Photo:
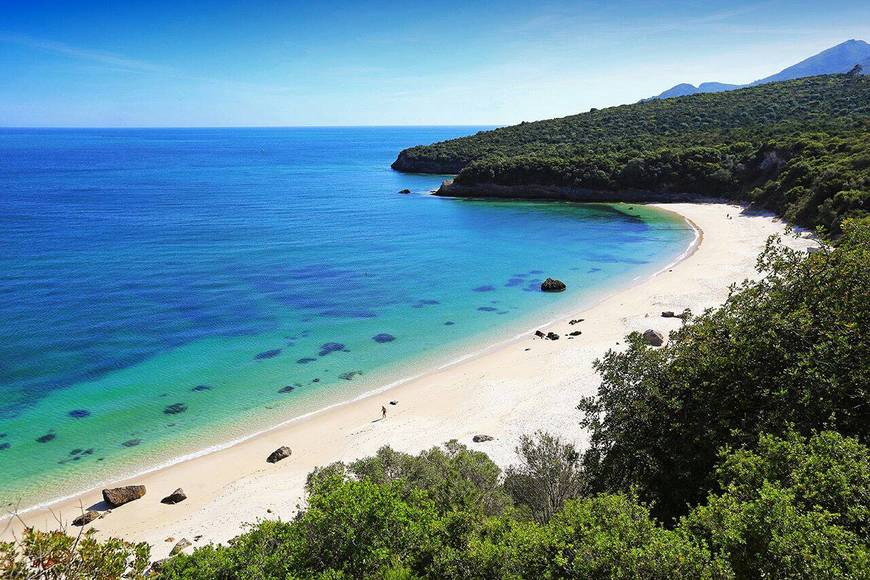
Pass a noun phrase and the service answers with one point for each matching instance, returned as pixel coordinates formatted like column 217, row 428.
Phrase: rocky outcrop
column 175, row 497
column 668, row 314
column 653, row 337
column 281, row 453
column 405, row 191
column 118, row 496
column 552, row 285
column 482, row 438
column 86, row 518
column 552, row 336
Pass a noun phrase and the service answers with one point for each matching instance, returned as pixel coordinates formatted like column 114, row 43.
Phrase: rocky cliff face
column 556, row 193
column 408, row 162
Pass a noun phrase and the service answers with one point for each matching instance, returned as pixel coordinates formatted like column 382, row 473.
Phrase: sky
column 328, row 62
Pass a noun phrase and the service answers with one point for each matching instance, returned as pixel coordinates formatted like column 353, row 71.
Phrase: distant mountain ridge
column 837, row 59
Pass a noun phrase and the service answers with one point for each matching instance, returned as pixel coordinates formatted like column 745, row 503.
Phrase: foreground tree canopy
column 796, row 147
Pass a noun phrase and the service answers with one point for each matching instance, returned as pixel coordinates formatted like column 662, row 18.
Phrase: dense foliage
column 789, row 350
column 797, row 147
column 791, row 508
column 56, row 554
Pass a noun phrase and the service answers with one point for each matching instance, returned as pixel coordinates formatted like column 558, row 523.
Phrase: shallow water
column 166, row 290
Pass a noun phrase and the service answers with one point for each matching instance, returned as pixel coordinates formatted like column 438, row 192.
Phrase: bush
column 789, row 350
column 56, row 554
column 549, row 475
column 793, row 508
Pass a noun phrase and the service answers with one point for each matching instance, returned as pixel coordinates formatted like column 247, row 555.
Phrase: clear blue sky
column 251, row 63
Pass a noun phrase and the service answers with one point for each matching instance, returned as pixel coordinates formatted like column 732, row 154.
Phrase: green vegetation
column 791, row 350
column 56, row 554
column 792, row 508
column 796, row 147
column 737, row 450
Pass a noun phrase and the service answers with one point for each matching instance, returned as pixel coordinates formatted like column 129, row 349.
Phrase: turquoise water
column 162, row 291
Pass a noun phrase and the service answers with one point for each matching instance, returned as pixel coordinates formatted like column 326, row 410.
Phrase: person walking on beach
column 383, row 412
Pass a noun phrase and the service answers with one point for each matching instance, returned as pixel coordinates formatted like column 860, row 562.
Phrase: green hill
column 797, row 147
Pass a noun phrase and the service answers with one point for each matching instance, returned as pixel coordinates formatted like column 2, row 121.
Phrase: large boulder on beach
column 551, row 285
column 118, row 496
column 653, row 337
column 175, row 497
column 482, row 438
column 86, row 518
column 281, row 453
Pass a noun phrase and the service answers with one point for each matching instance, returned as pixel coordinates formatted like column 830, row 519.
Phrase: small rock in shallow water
column 79, row 413
column 485, row 288
column 282, row 452
column 75, row 451
column 551, row 285
column 481, row 438
column 487, row 308
column 405, row 191
column 305, row 360
column 201, row 388
column 46, row 438
column 383, row 337
column 175, row 408
column 348, row 376
column 175, row 497
column 449, row 323
column 287, row 389
column 4, row 446
column 131, row 442
column 268, row 354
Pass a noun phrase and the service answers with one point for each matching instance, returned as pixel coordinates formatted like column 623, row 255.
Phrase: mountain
column 835, row 60
column 684, row 89
column 796, row 147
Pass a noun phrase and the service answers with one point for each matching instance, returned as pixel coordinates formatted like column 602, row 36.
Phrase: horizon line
column 164, row 127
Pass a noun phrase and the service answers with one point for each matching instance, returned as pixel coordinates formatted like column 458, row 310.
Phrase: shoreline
column 241, row 484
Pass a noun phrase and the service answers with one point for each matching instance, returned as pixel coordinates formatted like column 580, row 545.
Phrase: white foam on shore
column 690, row 249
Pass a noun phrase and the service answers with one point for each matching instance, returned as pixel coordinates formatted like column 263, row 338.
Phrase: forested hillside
column 797, row 147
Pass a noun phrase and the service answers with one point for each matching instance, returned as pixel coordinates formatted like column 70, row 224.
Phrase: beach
column 517, row 387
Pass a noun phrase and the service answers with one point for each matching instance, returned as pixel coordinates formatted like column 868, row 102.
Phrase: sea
column 166, row 292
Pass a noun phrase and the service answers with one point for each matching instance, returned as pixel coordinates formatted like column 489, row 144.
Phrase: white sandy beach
column 517, row 388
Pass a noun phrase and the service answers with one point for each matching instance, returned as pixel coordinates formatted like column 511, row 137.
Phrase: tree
column 793, row 508
column 57, row 554
column 550, row 473
column 789, row 350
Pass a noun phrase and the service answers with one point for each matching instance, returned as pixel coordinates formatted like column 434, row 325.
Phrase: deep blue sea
column 162, row 291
